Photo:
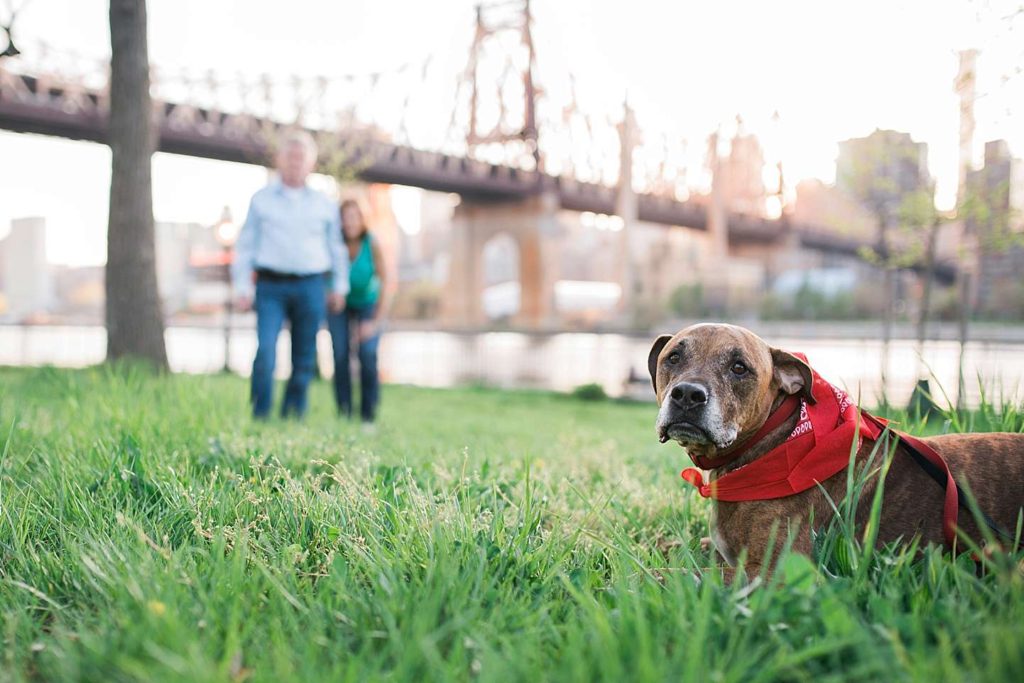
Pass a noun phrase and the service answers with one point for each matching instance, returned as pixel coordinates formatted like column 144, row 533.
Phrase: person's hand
column 243, row 303
column 367, row 328
column 335, row 302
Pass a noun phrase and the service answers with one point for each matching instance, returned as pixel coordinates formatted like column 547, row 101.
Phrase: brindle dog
column 717, row 384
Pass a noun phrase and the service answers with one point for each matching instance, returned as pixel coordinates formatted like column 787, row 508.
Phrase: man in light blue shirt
column 289, row 264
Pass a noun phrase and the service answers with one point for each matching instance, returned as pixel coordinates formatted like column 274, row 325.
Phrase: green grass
column 150, row 531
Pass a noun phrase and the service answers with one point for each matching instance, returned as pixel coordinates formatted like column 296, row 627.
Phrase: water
column 559, row 361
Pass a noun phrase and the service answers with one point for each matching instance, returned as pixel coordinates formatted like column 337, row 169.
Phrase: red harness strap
column 826, row 435
column 951, row 506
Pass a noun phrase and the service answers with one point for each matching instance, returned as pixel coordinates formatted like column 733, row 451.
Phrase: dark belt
column 268, row 275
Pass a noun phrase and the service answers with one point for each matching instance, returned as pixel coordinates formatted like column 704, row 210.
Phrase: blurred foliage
column 590, row 392
column 989, row 214
column 687, row 301
column 335, row 158
column 810, row 304
column 884, row 172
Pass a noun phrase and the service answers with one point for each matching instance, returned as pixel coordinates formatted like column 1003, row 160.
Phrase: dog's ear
column 793, row 374
column 652, row 358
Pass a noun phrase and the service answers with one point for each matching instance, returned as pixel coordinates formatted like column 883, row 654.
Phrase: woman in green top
column 365, row 307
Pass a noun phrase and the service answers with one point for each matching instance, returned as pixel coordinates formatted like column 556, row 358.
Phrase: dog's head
column 716, row 383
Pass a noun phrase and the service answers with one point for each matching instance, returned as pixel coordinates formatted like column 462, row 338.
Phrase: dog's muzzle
column 690, row 415
column 682, row 413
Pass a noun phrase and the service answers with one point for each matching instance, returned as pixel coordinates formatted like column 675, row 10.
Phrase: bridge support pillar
column 716, row 277
column 462, row 301
column 626, row 209
column 533, row 224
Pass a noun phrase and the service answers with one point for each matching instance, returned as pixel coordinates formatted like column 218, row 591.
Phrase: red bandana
column 819, row 447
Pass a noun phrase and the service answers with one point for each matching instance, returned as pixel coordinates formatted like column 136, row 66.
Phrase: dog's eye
column 739, row 369
column 674, row 358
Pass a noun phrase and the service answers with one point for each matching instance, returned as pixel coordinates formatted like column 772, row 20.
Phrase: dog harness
column 828, row 433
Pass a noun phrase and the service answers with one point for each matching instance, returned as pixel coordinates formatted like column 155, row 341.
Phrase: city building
column 190, row 268
column 743, row 174
column 79, row 293
column 27, row 282
column 994, row 213
column 173, row 272
column 881, row 170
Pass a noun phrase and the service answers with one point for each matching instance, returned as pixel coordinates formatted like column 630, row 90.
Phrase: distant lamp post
column 226, row 232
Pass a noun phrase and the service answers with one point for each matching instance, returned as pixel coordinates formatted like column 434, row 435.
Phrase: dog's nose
column 687, row 395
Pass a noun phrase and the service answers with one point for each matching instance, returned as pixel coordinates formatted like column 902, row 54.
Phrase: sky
column 833, row 70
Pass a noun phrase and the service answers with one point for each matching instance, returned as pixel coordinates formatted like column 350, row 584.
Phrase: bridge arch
column 530, row 228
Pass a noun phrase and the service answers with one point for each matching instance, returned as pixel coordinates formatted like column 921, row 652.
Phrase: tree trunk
column 921, row 401
column 888, row 281
column 887, row 315
column 964, row 287
column 926, row 293
column 134, row 319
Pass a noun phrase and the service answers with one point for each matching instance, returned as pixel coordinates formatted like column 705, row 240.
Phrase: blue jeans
column 340, row 326
column 303, row 303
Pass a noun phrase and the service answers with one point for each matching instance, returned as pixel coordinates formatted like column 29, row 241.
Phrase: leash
column 935, row 465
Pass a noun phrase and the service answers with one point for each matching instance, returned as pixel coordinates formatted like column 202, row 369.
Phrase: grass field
column 150, row 531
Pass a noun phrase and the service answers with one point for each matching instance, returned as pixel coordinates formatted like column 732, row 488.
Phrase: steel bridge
column 506, row 160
